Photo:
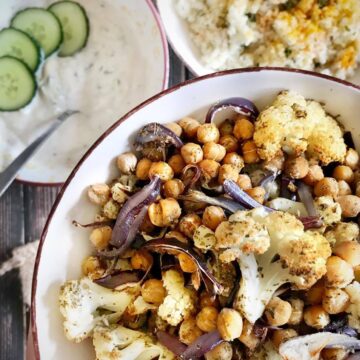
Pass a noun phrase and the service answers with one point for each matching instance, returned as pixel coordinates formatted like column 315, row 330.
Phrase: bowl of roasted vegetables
column 218, row 220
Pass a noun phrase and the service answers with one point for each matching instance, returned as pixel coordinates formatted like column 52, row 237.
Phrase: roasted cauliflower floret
column 179, row 302
column 118, row 342
column 80, row 301
column 342, row 231
column 294, row 256
column 328, row 210
column 353, row 309
column 242, row 232
column 295, row 125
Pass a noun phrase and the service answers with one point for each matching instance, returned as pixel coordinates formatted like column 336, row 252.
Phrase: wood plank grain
column 38, row 201
column 12, row 312
column 177, row 69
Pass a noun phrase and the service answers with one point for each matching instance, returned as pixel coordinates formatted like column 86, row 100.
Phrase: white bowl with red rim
column 63, row 246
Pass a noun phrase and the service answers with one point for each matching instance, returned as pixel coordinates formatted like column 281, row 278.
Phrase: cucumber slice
column 19, row 45
column 17, row 84
column 42, row 25
column 75, row 25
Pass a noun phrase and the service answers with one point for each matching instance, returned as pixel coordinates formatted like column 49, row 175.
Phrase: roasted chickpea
column 213, row 151
column 275, row 164
column 282, row 335
column 111, row 209
column 315, row 294
column 335, row 301
column 208, row 133
column 357, row 273
column 153, row 291
column 226, row 127
column 244, row 181
column 257, row 193
column 127, row 163
column 326, row 187
column 188, row 331
column 192, row 153
column 175, row 128
column 133, row 321
column 92, row 268
column 278, row 311
column 297, row 309
column 186, row 263
column 176, row 235
column 352, row 159
column 118, row 194
column 207, row 300
column 344, row 188
column 296, row 168
column 147, row 226
column 343, row 172
column 243, row 129
column 189, row 223
column 99, row 194
column 348, row 251
column 173, row 188
column 162, row 170
column 228, row 172
column 350, row 205
column 339, row 273
column 248, row 337
column 315, row 316
column 314, row 175
column 190, row 126
column 213, row 216
column 206, row 319
column 209, row 168
column 357, row 189
column 141, row 260
column 334, row 354
column 100, row 237
column 165, row 212
column 229, row 324
column 223, row 351
column 235, row 159
column 229, row 142
column 142, row 169
column 177, row 163
column 249, row 151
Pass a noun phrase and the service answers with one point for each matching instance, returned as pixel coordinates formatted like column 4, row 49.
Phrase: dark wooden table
column 23, row 212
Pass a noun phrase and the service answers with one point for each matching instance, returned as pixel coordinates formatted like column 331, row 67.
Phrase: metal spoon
column 9, row 174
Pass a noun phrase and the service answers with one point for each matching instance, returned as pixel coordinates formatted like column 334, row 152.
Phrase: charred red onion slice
column 171, row 342
column 211, row 284
column 311, row 222
column 95, row 224
column 132, row 213
column 202, row 345
column 113, row 281
column 190, row 181
column 231, row 188
column 239, row 195
column 306, row 198
column 198, row 196
column 355, row 356
column 284, row 190
column 157, row 133
column 238, row 104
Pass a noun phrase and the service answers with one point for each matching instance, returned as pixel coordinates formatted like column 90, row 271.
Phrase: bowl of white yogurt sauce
column 124, row 62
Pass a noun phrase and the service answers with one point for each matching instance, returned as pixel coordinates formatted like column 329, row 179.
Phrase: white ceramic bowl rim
column 165, row 81
column 111, row 129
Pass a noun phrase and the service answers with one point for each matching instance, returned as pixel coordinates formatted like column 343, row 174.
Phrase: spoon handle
column 10, row 173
